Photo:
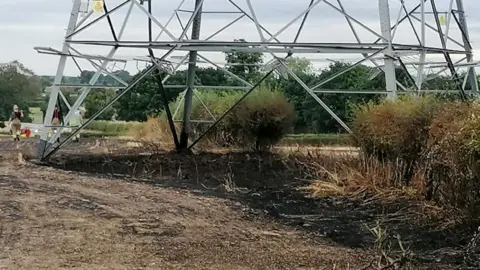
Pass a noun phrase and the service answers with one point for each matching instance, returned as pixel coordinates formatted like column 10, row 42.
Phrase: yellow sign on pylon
column 97, row 6
column 442, row 19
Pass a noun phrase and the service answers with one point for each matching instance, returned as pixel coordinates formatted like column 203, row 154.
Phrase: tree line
column 21, row 86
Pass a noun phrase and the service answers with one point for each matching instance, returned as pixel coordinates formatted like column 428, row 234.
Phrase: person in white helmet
column 16, row 123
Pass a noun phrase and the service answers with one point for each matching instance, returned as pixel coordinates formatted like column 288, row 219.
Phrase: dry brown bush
column 453, row 157
column 436, row 143
column 395, row 131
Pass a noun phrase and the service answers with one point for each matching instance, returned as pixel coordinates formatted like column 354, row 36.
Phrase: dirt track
column 53, row 220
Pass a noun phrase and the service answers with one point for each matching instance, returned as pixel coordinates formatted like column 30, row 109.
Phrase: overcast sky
column 25, row 24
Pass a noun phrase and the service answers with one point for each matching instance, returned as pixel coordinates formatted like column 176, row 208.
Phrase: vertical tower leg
column 196, row 24
column 467, row 45
column 57, row 81
column 385, row 24
column 421, row 67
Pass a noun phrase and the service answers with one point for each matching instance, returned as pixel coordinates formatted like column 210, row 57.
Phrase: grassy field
column 36, row 115
column 103, row 128
column 122, row 128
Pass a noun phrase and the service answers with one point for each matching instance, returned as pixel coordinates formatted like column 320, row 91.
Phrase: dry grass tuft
column 356, row 176
column 155, row 134
column 389, row 250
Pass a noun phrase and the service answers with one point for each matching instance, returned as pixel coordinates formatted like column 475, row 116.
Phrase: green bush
column 258, row 122
column 217, row 102
column 262, row 120
column 395, row 131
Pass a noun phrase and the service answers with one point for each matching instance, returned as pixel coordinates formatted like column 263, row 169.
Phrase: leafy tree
column 96, row 100
column 121, row 74
column 299, row 65
column 356, row 79
column 211, row 77
column 86, row 76
column 440, row 82
column 311, row 117
column 18, row 85
column 145, row 98
column 245, row 64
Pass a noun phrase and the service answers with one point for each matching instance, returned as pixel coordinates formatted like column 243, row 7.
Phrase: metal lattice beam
column 385, row 53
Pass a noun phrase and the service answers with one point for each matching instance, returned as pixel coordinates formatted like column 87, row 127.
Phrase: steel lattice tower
column 415, row 35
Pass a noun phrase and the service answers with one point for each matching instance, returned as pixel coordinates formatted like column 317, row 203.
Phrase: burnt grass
column 266, row 185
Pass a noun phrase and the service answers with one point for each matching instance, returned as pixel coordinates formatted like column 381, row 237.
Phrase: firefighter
column 55, row 122
column 56, row 117
column 16, row 123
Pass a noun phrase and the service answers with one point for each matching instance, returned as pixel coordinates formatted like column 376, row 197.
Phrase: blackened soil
column 267, row 186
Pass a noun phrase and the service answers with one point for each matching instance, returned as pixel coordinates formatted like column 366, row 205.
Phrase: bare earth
column 52, row 219
column 108, row 204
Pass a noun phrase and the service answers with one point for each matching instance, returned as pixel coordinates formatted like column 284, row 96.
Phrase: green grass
column 112, row 128
column 36, row 115
column 121, row 128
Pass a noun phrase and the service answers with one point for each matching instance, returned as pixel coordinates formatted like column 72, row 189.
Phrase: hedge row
column 437, row 139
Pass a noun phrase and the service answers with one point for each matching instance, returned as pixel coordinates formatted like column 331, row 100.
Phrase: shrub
column 261, row 120
column 207, row 106
column 438, row 139
column 258, row 122
column 453, row 157
column 395, row 131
